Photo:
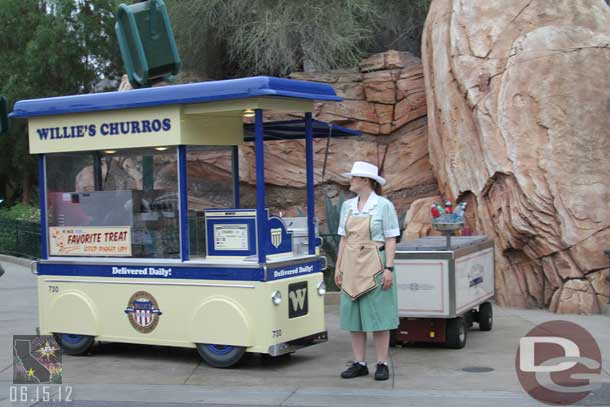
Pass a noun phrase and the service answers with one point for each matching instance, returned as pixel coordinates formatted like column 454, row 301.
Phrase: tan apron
column 361, row 261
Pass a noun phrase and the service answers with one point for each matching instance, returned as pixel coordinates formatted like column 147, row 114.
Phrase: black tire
column 73, row 344
column 485, row 316
column 456, row 333
column 221, row 356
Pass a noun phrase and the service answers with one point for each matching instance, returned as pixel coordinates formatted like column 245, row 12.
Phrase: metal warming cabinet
column 443, row 289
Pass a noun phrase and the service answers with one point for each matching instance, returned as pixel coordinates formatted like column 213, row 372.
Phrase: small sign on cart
column 90, row 241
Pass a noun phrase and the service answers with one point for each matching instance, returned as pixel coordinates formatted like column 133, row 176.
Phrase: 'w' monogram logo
column 297, row 292
column 297, row 298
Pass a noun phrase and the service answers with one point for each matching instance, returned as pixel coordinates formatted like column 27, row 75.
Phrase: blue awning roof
column 259, row 86
column 295, row 130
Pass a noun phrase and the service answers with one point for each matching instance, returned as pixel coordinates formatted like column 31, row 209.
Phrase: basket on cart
column 448, row 224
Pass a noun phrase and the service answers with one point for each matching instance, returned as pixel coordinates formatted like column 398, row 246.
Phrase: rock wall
column 519, row 126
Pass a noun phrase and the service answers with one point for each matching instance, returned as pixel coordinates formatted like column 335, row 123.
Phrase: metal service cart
column 139, row 246
column 442, row 290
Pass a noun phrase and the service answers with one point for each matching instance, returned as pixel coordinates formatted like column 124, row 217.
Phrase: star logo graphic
column 47, row 351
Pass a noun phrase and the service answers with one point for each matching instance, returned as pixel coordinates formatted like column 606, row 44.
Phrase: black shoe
column 355, row 370
column 382, row 372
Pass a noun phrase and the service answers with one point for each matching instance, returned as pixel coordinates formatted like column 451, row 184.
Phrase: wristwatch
column 391, row 268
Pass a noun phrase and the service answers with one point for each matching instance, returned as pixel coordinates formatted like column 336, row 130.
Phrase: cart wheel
column 220, row 355
column 73, row 344
column 456, row 333
column 485, row 316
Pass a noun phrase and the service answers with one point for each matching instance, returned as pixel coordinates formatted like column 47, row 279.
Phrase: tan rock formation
column 384, row 94
column 519, row 123
column 418, row 220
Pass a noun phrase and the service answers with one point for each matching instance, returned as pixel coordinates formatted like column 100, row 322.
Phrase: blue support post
column 42, row 186
column 183, row 196
column 311, row 204
column 236, row 202
column 261, row 214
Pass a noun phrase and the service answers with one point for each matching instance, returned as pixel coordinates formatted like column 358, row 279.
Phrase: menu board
column 90, row 241
column 231, row 237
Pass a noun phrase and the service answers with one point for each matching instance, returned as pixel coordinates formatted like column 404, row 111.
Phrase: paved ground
column 134, row 376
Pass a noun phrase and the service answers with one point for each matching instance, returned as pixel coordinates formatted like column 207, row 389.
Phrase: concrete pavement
column 121, row 374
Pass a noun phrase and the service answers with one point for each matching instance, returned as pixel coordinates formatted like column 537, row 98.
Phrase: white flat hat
column 363, row 169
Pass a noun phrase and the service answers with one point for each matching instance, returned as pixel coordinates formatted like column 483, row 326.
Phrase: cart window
column 120, row 204
column 209, row 185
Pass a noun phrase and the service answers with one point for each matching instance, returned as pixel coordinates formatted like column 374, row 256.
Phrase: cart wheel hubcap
column 71, row 338
column 220, row 349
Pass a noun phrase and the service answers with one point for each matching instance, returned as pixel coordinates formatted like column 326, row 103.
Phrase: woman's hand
column 338, row 278
column 387, row 279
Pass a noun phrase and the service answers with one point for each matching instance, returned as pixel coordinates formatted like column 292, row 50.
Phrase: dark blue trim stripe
column 295, row 270
column 259, row 86
column 43, row 206
column 151, row 272
column 235, row 158
column 311, row 205
column 261, row 214
column 182, row 190
column 156, row 272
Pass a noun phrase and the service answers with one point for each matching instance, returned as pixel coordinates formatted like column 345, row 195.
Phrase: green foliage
column 49, row 48
column 21, row 212
column 19, row 238
column 403, row 24
column 276, row 37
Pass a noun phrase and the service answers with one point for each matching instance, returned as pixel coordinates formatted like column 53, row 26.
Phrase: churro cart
column 444, row 284
column 141, row 241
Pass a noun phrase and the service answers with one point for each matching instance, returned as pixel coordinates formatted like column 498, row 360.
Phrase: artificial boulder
column 519, row 125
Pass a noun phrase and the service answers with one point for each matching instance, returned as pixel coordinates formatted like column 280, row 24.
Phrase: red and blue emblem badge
column 143, row 312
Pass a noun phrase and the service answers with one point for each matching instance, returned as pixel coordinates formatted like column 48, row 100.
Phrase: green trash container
column 147, row 42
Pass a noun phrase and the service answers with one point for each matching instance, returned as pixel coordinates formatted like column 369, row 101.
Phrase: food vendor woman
column 368, row 227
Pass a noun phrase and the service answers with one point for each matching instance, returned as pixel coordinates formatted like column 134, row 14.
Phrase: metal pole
column 183, row 200
column 42, row 186
column 261, row 215
column 311, row 204
column 97, row 171
column 148, row 176
column 236, row 202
